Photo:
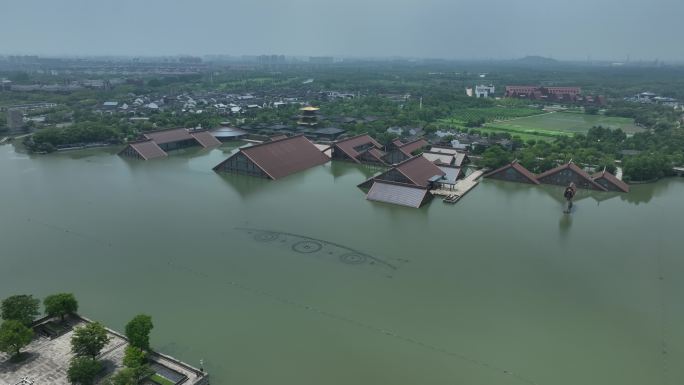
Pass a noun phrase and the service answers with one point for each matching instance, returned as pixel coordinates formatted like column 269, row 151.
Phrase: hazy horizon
column 461, row 30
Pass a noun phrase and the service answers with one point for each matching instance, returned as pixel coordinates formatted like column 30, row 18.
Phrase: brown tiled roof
column 148, row 149
column 610, row 178
column 168, row 136
column 396, row 193
column 283, row 157
column 519, row 168
column 377, row 153
column 205, row 139
column 459, row 158
column 419, row 170
column 347, row 145
column 438, row 158
column 398, row 143
column 451, row 174
column 277, row 137
column 571, row 166
column 443, row 150
column 409, row 147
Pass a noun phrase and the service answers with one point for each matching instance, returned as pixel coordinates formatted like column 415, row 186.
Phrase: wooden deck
column 462, row 186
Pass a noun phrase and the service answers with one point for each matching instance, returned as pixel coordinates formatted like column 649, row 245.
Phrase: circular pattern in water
column 266, row 237
column 353, row 258
column 307, row 247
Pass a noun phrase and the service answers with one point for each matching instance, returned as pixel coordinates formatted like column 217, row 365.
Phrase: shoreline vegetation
column 413, row 100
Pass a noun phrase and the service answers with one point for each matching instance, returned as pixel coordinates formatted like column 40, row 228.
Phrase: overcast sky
column 462, row 29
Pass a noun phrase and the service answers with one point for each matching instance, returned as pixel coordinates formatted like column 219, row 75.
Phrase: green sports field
column 554, row 124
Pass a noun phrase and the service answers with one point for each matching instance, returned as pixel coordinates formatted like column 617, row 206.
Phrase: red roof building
column 144, row 150
column 552, row 93
column 351, row 149
column 570, row 173
column 513, row 172
column 399, row 152
column 274, row 159
column 416, row 171
column 156, row 144
column 398, row 194
column 406, row 184
column 610, row 182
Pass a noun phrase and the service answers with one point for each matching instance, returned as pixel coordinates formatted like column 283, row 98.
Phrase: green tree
column 125, row 376
column 134, row 357
column 22, row 308
column 495, row 157
column 60, row 305
column 89, row 340
column 138, row 331
column 83, row 370
column 14, row 335
column 591, row 110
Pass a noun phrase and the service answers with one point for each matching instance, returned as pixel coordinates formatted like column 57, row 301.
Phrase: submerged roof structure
column 169, row 136
column 406, row 184
column 514, row 172
column 398, row 194
column 205, row 139
column 156, row 143
column 352, row 148
column 274, row 159
column 419, row 170
column 228, row 133
column 399, row 151
column 562, row 175
column 568, row 173
column 410, row 147
column 610, row 182
column 455, row 159
column 451, row 174
column 147, row 150
column 443, row 150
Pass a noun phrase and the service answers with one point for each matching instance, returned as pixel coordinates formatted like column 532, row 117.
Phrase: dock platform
column 462, row 186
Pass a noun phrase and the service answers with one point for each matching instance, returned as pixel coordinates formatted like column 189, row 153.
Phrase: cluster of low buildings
column 155, row 144
column 653, row 98
column 411, row 169
column 216, row 102
column 481, row 91
column 537, row 93
column 553, row 94
column 97, row 84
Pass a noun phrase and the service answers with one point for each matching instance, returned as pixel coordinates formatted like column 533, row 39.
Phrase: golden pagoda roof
column 309, row 108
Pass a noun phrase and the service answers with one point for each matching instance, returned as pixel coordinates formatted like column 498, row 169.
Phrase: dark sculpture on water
column 569, row 193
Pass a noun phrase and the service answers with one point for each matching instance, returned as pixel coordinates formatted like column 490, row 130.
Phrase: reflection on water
column 564, row 225
column 319, row 248
column 340, row 168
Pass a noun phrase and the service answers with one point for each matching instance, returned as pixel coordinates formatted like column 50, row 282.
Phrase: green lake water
column 302, row 281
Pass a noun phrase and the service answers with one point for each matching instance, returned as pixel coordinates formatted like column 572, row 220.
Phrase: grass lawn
column 550, row 125
column 547, row 136
column 489, row 114
column 161, row 380
column 564, row 122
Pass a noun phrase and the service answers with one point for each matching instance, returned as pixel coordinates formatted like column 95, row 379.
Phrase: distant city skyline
column 613, row 30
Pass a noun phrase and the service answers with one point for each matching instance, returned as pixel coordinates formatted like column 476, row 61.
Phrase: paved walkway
column 48, row 361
